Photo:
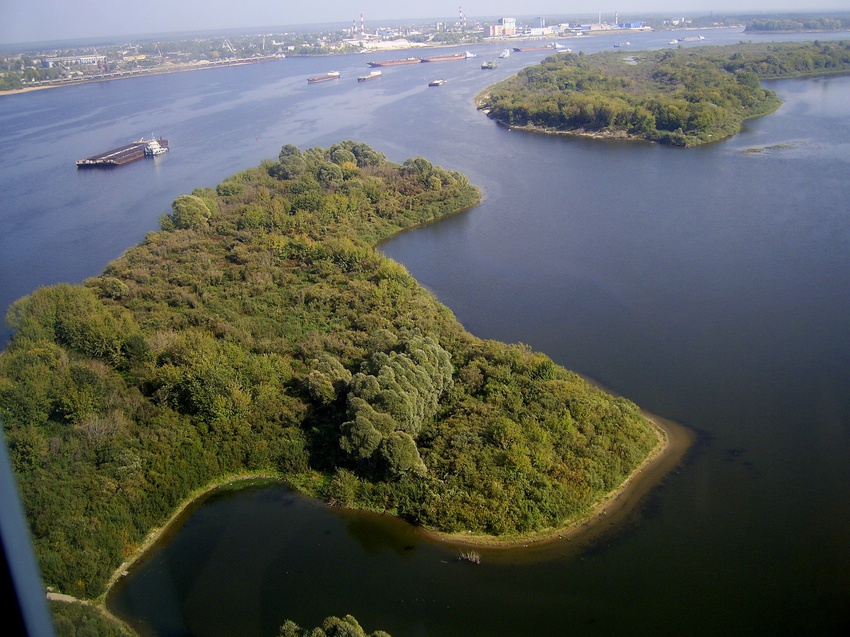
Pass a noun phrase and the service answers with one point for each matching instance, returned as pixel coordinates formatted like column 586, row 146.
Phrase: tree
column 331, row 627
column 190, row 211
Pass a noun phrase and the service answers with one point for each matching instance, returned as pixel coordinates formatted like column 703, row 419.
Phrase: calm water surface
column 709, row 285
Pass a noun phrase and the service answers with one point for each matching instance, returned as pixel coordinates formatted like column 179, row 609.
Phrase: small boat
column 504, row 54
column 373, row 75
column 470, row 54
column 436, row 82
column 621, row 44
column 488, row 66
column 331, row 75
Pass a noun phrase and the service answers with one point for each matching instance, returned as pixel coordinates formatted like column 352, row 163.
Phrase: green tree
column 190, row 211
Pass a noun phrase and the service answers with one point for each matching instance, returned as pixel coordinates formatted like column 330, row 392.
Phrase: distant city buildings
column 74, row 60
column 504, row 27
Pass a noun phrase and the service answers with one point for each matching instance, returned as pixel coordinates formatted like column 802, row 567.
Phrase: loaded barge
column 396, row 62
column 330, row 75
column 126, row 154
column 373, row 75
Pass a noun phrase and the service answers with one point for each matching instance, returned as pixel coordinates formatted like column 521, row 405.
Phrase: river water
column 710, row 285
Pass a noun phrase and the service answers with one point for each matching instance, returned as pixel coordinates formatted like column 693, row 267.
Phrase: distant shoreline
column 200, row 66
column 182, row 68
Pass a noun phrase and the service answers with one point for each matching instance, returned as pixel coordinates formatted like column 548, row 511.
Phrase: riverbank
column 159, row 70
column 674, row 440
column 156, row 533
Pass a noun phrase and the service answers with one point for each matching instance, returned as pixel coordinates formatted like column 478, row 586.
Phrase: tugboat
column 488, row 66
column 154, row 148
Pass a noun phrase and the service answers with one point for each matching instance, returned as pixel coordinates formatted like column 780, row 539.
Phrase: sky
column 45, row 20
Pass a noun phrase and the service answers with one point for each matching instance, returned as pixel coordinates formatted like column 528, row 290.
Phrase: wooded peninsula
column 260, row 331
column 683, row 97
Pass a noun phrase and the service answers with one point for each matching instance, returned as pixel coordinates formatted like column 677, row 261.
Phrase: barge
column 331, row 75
column 545, row 47
column 125, row 154
column 373, row 75
column 396, row 62
column 446, row 58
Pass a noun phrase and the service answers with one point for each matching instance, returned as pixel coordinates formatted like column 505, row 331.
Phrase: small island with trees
column 683, row 97
column 260, row 332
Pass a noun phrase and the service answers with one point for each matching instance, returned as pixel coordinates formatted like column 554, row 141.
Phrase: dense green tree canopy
column 346, row 626
column 680, row 97
column 261, row 331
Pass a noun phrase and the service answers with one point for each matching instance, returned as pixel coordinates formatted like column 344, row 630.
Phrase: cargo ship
column 545, row 47
column 525, row 49
column 396, row 62
column 331, row 75
column 447, row 58
column 125, row 154
column 374, row 75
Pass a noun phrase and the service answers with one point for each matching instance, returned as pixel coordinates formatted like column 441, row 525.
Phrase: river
column 710, row 285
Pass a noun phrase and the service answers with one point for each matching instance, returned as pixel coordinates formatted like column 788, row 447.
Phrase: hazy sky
column 40, row 20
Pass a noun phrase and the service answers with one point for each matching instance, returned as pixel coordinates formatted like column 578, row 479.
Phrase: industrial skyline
column 46, row 20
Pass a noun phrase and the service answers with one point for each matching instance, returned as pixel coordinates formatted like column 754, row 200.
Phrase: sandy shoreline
column 156, row 533
column 673, row 442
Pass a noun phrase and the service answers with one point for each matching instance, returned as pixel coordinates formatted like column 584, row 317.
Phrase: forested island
column 683, row 97
column 260, row 332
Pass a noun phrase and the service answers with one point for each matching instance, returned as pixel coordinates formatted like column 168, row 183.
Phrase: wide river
column 711, row 286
